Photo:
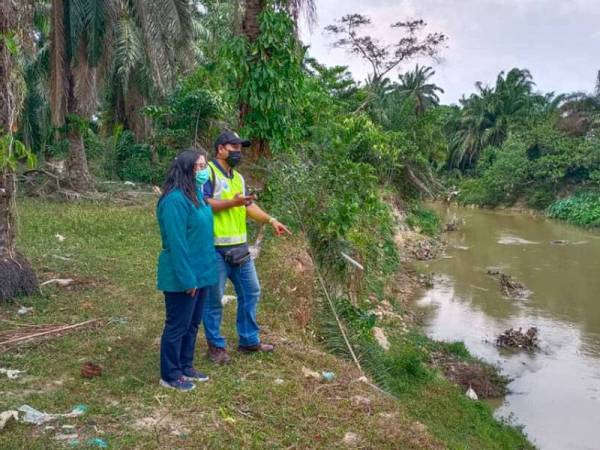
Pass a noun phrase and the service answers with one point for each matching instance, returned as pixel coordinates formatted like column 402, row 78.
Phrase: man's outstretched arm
column 256, row 213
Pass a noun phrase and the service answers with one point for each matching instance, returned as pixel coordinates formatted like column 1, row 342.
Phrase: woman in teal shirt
column 186, row 266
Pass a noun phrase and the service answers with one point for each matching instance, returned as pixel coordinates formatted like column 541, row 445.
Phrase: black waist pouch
column 236, row 255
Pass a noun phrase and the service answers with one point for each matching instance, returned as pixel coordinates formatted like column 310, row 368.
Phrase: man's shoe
column 194, row 375
column 180, row 384
column 267, row 348
column 218, row 355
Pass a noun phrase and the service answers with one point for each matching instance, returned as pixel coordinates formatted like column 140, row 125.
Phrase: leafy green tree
column 266, row 39
column 265, row 77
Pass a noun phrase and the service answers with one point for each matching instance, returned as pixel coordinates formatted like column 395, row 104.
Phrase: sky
column 557, row 40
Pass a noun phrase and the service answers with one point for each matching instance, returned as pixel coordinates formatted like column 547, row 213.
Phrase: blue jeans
column 178, row 342
column 247, row 289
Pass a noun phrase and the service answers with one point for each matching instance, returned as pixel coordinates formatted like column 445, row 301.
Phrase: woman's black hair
column 181, row 175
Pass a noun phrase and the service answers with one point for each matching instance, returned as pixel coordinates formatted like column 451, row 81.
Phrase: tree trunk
column 78, row 174
column 77, row 167
column 250, row 25
column 251, row 30
column 16, row 275
column 135, row 102
column 73, row 93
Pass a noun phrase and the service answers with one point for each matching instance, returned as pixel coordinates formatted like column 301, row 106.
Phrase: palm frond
column 129, row 49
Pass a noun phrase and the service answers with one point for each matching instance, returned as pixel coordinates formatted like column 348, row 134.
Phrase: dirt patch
column 295, row 266
column 415, row 246
column 160, row 422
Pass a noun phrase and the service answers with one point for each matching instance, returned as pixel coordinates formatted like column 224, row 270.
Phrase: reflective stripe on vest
column 230, row 224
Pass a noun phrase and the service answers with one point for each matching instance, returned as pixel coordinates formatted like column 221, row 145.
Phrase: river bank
column 270, row 400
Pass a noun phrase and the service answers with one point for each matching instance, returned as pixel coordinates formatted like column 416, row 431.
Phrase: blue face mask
column 202, row 176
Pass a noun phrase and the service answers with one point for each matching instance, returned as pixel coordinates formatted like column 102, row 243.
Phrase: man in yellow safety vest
column 227, row 195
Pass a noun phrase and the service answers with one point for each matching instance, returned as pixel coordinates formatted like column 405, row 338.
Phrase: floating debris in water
column 453, row 224
column 510, row 286
column 516, row 339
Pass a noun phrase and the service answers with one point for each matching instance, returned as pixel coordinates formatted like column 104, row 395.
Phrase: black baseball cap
column 230, row 137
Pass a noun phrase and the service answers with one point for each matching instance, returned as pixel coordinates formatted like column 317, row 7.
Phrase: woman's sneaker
column 194, row 375
column 181, row 384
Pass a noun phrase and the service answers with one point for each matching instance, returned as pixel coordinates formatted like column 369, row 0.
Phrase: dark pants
column 178, row 342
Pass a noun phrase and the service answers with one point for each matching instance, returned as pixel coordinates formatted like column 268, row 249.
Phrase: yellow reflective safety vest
column 230, row 224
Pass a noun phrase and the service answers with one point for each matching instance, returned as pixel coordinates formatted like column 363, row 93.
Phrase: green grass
column 111, row 252
column 424, row 220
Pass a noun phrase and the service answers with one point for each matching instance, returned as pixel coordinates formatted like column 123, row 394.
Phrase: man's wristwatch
column 271, row 220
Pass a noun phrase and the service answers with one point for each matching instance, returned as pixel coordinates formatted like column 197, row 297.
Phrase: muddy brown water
column 555, row 392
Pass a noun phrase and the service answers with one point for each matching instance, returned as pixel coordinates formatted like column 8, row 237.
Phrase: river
column 555, row 392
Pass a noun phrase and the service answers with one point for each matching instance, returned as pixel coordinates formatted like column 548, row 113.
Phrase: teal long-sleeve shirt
column 188, row 257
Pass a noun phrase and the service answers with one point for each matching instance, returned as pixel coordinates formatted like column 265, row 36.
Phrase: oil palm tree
column 148, row 39
column 152, row 43
column 415, row 85
column 79, row 55
column 16, row 274
column 488, row 115
column 580, row 112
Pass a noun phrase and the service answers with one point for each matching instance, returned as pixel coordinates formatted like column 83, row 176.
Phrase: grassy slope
column 112, row 253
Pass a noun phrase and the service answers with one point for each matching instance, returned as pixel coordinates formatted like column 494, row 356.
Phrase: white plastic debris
column 226, row 299
column 381, row 338
column 62, row 282
column 11, row 374
column 471, row 394
column 36, row 417
column 129, row 183
column 351, row 438
column 24, row 310
column 278, row 381
column 60, row 237
column 66, row 437
column 352, row 261
column 5, row 416
column 308, row 373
